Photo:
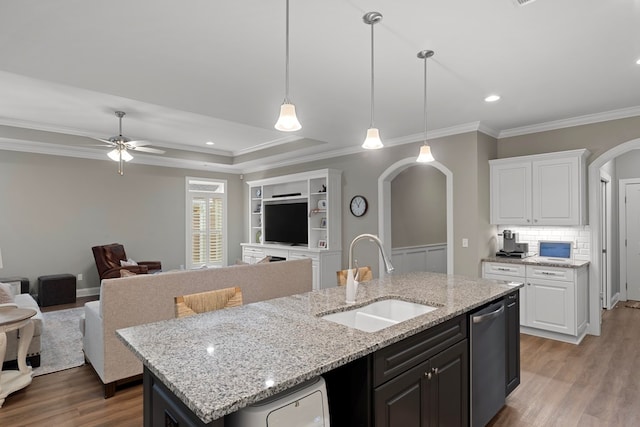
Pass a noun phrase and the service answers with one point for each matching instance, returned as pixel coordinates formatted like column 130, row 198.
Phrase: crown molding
column 574, row 121
column 45, row 127
column 90, row 153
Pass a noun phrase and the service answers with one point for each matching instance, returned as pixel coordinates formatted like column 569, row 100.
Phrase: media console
column 318, row 226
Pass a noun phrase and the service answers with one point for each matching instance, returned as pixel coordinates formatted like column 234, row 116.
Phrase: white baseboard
column 615, row 299
column 553, row 335
column 87, row 292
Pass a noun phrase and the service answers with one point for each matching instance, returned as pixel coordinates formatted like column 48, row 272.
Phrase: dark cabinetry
column 419, row 381
column 512, row 304
column 433, row 393
column 163, row 408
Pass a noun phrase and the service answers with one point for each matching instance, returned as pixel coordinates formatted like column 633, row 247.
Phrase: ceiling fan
column 121, row 146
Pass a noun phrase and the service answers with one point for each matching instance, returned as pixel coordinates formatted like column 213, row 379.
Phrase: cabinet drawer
column 504, row 269
column 399, row 357
column 550, row 273
column 304, row 255
column 253, row 252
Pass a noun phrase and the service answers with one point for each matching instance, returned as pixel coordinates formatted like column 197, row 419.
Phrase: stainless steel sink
column 379, row 315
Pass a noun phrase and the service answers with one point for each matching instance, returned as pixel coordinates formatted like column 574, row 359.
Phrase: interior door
column 603, row 243
column 632, row 219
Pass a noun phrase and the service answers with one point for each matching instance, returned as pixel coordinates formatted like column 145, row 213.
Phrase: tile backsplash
column 580, row 235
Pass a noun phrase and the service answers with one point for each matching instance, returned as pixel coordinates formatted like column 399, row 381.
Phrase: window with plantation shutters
column 206, row 223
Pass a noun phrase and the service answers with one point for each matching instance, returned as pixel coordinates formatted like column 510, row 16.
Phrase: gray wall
column 418, row 207
column 628, row 166
column 53, row 209
column 598, row 138
column 459, row 153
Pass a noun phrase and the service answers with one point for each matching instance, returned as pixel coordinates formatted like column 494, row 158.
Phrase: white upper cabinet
column 511, row 193
column 544, row 189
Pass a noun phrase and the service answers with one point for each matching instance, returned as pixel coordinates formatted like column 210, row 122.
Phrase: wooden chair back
column 188, row 305
column 364, row 274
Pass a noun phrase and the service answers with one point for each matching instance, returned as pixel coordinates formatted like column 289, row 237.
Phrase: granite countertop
column 544, row 262
column 221, row 361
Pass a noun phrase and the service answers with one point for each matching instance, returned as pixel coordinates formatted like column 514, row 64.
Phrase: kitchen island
column 219, row 362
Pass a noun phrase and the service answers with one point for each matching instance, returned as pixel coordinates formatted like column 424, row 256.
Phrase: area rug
column 633, row 304
column 61, row 341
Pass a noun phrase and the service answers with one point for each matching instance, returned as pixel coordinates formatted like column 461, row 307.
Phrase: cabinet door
column 556, row 192
column 551, row 305
column 450, row 387
column 511, row 193
column 512, row 304
column 404, row 401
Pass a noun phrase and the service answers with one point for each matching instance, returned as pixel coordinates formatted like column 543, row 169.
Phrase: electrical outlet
column 465, row 243
column 79, row 277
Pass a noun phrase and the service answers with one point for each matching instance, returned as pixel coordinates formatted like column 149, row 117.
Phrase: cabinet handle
column 512, row 297
column 428, row 375
column 435, row 371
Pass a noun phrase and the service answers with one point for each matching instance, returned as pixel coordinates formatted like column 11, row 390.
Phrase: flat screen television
column 286, row 223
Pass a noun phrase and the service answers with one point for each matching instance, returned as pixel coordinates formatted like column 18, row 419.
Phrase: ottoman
column 56, row 289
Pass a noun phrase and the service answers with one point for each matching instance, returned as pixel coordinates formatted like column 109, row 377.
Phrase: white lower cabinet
column 324, row 263
column 252, row 255
column 553, row 301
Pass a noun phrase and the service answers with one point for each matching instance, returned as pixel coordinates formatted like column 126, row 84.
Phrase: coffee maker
column 509, row 241
column 510, row 247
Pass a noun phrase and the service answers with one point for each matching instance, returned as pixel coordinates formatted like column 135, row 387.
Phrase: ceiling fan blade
column 148, row 150
column 139, row 143
column 106, row 141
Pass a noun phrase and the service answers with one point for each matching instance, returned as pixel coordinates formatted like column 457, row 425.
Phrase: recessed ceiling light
column 638, row 62
column 492, row 98
column 210, row 142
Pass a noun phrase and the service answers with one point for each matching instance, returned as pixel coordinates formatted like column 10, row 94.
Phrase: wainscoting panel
column 420, row 258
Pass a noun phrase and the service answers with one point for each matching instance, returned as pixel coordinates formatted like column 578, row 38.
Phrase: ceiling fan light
column 114, row 155
column 288, row 121
column 372, row 141
column 425, row 155
column 126, row 156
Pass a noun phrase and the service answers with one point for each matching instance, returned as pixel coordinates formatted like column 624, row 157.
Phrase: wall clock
column 358, row 206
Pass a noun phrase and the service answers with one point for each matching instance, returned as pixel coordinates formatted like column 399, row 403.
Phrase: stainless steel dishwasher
column 488, row 363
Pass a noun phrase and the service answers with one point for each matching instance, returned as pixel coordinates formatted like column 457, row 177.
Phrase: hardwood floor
column 79, row 303
column 594, row 384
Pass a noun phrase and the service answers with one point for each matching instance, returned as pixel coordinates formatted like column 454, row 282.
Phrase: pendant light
column 372, row 141
column 425, row 155
column 288, row 121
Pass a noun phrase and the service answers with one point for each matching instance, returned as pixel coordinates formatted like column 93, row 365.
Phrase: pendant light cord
column 372, row 88
column 425, row 54
column 425, row 99
column 286, row 67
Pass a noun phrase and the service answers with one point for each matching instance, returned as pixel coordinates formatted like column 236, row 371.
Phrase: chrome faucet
column 352, row 284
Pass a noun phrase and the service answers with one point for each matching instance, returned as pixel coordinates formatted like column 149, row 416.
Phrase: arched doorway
column 384, row 206
column 595, row 201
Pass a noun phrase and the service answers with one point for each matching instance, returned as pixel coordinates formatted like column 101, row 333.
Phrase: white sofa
column 147, row 298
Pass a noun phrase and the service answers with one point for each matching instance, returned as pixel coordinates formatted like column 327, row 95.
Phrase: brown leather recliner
column 108, row 259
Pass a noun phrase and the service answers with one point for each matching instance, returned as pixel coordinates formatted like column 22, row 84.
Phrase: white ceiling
column 202, row 70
